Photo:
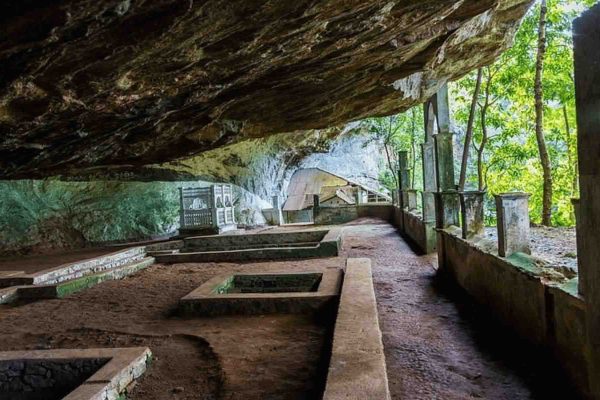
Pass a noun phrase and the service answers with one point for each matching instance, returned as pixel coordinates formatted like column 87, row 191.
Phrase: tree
column 469, row 133
column 484, row 107
column 539, row 118
column 385, row 129
column 395, row 133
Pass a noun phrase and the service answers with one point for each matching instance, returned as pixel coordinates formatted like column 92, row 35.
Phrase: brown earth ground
column 34, row 263
column 437, row 344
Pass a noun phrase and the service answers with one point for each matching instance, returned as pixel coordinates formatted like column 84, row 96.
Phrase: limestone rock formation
column 96, row 84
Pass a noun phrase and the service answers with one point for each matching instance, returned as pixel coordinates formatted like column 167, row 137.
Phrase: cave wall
column 48, row 215
column 44, row 215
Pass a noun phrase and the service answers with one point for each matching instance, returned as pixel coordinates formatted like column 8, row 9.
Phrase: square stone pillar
column 446, row 209
column 586, row 37
column 403, row 178
column 512, row 212
column 471, row 208
column 411, row 196
column 277, row 213
column 429, row 180
column 444, row 162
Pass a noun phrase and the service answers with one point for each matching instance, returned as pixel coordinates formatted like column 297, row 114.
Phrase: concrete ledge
column 65, row 288
column 76, row 269
column 357, row 368
column 273, row 246
column 340, row 215
column 205, row 301
column 123, row 365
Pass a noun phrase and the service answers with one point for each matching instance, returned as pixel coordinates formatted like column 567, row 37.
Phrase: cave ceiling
column 91, row 85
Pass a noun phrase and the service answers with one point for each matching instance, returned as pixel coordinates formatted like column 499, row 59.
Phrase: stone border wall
column 412, row 226
column 341, row 215
column 547, row 313
column 329, row 246
column 123, row 366
column 205, row 301
column 357, row 368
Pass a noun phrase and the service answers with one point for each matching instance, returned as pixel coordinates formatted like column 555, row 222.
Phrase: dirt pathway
column 437, row 344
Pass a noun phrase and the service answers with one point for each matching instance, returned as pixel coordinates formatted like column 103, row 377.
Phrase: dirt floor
column 34, row 263
column 438, row 345
column 252, row 357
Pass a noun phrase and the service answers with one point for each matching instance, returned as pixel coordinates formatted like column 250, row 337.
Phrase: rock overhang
column 104, row 83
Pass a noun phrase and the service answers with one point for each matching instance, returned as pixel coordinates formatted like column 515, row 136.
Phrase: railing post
column 411, row 196
column 403, row 178
column 447, row 205
column 512, row 212
column 447, row 200
column 472, row 221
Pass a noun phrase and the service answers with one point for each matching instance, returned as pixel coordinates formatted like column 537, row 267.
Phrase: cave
column 331, row 200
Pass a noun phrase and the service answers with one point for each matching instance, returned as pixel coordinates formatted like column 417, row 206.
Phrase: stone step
column 82, row 268
column 65, row 288
column 8, row 295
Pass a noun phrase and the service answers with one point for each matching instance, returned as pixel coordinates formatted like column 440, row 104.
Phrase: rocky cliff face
column 121, row 83
column 49, row 214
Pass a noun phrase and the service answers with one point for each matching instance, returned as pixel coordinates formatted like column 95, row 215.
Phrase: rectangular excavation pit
column 70, row 374
column 268, row 293
column 276, row 245
column 45, row 379
column 271, row 283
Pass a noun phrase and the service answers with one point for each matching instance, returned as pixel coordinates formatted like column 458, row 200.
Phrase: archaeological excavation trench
column 267, row 200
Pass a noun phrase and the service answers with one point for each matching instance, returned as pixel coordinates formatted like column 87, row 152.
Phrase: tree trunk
column 391, row 165
column 469, row 133
column 484, row 138
column 413, row 143
column 539, row 118
column 572, row 163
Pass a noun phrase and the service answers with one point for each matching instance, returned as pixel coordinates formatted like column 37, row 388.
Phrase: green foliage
column 511, row 160
column 396, row 133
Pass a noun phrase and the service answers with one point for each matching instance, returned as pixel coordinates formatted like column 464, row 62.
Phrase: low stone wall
column 210, row 300
column 357, row 369
column 51, row 376
column 412, row 226
column 49, row 372
column 335, row 215
column 287, row 245
column 522, row 295
column 252, row 241
column 341, row 215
